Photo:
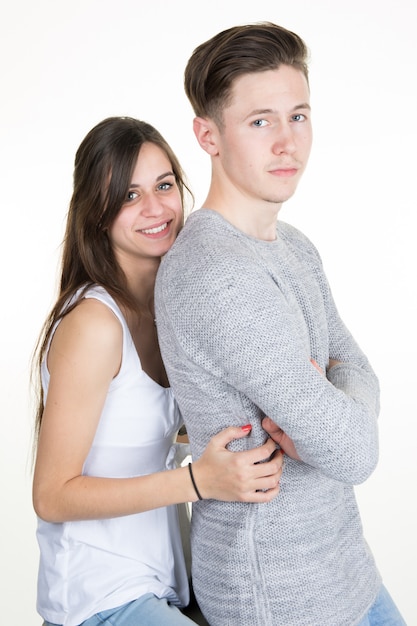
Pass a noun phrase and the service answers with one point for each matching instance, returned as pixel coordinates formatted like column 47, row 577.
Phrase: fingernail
column 247, row 428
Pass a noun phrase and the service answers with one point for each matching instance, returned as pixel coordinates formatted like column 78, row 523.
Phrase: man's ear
column 206, row 132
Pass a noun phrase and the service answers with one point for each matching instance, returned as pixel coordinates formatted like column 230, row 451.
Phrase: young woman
column 108, row 530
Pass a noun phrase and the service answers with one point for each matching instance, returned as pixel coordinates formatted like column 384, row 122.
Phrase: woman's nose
column 151, row 205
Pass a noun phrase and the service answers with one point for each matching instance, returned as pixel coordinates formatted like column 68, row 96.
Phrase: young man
column 248, row 327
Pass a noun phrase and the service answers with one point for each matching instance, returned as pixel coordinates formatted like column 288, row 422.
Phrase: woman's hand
column 248, row 476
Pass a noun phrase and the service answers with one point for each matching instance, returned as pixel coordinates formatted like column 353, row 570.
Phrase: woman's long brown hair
column 103, row 170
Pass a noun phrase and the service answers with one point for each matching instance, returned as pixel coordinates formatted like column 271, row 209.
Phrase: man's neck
column 259, row 222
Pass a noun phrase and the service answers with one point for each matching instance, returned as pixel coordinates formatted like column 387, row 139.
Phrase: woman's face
column 150, row 219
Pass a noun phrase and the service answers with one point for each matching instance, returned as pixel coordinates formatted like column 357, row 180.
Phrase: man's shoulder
column 204, row 235
column 290, row 232
column 297, row 239
column 207, row 254
column 202, row 225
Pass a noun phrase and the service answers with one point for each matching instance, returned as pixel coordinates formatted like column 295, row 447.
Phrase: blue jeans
column 148, row 610
column 152, row 611
column 383, row 612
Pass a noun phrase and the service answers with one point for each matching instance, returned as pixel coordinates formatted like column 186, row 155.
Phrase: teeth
column 153, row 231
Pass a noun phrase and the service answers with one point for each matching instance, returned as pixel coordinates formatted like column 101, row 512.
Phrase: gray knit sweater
column 238, row 321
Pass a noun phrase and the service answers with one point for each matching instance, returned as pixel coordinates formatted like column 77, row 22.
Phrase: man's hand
column 277, row 434
column 332, row 362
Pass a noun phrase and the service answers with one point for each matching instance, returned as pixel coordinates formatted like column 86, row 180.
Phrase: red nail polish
column 247, row 428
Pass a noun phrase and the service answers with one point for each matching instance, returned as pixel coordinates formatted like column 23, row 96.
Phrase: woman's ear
column 206, row 132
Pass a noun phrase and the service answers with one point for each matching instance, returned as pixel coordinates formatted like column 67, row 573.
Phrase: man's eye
column 298, row 117
column 259, row 123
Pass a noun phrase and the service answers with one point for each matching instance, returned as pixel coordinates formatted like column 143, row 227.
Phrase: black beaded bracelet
column 193, row 481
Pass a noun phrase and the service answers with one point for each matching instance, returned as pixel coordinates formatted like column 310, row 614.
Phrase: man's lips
column 284, row 172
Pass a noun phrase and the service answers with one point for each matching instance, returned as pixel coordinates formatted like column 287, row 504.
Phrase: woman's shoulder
column 88, row 338
column 96, row 299
column 92, row 321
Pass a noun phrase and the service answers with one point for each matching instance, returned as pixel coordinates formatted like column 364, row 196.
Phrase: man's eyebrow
column 260, row 112
column 297, row 107
column 304, row 105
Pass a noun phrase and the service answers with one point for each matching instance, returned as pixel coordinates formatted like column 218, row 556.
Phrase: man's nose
column 284, row 140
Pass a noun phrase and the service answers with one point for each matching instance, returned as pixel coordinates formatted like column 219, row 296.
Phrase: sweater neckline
column 259, row 242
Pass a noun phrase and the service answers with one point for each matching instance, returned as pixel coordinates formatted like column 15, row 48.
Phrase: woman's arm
column 85, row 355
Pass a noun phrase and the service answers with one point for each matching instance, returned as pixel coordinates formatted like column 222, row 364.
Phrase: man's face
column 266, row 138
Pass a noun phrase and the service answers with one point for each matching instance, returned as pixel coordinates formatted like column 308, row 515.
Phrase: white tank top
column 89, row 566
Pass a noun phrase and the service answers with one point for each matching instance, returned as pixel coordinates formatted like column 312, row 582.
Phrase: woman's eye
column 131, row 195
column 165, row 186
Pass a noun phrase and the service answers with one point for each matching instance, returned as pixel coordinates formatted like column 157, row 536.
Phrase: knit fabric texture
column 239, row 320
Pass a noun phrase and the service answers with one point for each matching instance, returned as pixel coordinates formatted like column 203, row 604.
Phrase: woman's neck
column 141, row 285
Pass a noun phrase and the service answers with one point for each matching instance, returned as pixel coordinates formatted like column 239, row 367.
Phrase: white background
column 67, row 64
